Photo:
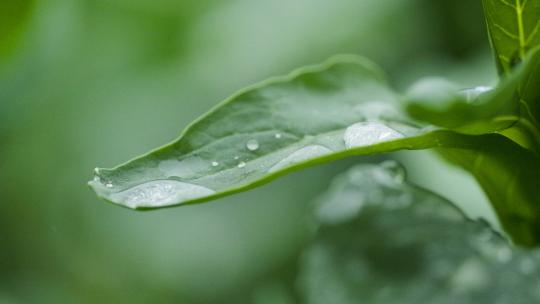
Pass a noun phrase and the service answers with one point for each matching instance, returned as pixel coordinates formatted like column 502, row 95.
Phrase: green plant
column 345, row 107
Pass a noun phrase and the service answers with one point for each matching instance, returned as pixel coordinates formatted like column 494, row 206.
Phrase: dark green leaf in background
column 383, row 240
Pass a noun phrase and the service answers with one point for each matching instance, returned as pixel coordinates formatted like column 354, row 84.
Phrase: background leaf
column 13, row 17
column 383, row 240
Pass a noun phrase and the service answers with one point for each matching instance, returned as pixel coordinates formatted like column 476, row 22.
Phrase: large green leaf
column 316, row 114
column 383, row 240
column 514, row 27
column 339, row 108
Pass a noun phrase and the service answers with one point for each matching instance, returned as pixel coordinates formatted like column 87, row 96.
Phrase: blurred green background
column 86, row 83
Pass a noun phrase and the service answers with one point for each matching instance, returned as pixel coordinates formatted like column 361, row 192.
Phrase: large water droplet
column 252, row 145
column 301, row 155
column 160, row 193
column 369, row 133
column 472, row 94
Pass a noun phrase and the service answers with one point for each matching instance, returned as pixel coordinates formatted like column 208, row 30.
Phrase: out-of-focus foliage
column 87, row 73
column 13, row 18
column 382, row 240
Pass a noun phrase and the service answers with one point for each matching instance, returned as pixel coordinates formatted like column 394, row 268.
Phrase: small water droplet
column 215, row 164
column 252, row 145
column 278, row 135
column 236, row 157
column 369, row 133
column 109, row 185
column 241, row 164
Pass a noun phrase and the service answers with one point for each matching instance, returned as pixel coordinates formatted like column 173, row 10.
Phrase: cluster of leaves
column 379, row 238
column 345, row 107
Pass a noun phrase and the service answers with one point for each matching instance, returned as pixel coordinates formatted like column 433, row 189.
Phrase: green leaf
column 513, row 27
column 511, row 108
column 319, row 113
column 509, row 175
column 13, row 15
column 383, row 240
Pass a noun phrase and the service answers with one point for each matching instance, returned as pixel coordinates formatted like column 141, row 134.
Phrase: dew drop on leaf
column 215, row 164
column 241, row 164
column 369, row 133
column 278, row 135
column 472, row 94
column 252, row 145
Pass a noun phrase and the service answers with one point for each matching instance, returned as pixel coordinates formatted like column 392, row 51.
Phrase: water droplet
column 215, row 164
column 241, row 164
column 390, row 173
column 96, row 171
column 301, row 155
column 252, row 145
column 236, row 157
column 109, row 185
column 347, row 207
column 160, row 193
column 472, row 94
column 369, row 133
column 278, row 135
